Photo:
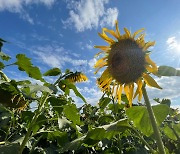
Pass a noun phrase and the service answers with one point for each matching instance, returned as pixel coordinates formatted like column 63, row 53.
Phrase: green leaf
column 169, row 132
column 57, row 103
column 96, row 134
column 139, row 115
column 1, row 65
column 104, row 102
column 36, row 88
column 24, row 64
column 72, row 113
column 4, row 56
column 73, row 87
column 52, row 72
column 168, row 71
column 10, row 148
column 60, row 137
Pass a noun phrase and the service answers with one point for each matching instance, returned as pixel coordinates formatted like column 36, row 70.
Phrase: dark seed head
column 126, row 61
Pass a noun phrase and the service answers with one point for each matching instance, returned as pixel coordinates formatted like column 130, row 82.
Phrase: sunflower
column 127, row 63
column 76, row 77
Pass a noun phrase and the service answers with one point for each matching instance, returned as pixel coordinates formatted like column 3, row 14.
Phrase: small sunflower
column 76, row 77
column 127, row 63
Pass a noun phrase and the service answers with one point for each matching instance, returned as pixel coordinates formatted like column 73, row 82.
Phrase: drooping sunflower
column 127, row 62
column 76, row 77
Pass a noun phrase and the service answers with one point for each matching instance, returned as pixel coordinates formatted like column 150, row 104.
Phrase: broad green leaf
column 168, row 71
column 105, row 119
column 24, row 64
column 177, row 128
column 4, row 56
column 57, row 103
column 139, row 115
column 52, row 72
column 96, row 134
column 75, row 144
column 60, row 137
column 10, row 148
column 27, row 116
column 104, row 102
column 72, row 113
column 169, row 132
column 118, row 126
column 73, row 87
column 36, row 88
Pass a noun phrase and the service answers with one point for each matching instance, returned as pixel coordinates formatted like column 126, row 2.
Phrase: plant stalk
column 153, row 122
column 33, row 122
column 36, row 115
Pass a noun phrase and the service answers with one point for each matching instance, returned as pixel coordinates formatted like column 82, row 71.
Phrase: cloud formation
column 17, row 6
column 88, row 14
column 56, row 56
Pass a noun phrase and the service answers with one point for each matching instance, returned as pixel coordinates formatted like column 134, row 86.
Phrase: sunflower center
column 126, row 61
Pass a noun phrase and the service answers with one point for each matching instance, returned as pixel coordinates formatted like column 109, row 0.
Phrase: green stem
column 34, row 145
column 153, row 122
column 4, row 76
column 43, row 101
column 36, row 115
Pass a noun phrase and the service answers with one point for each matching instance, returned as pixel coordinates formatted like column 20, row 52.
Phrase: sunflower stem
column 153, row 122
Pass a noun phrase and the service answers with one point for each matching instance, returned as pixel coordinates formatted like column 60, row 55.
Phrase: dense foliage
column 57, row 125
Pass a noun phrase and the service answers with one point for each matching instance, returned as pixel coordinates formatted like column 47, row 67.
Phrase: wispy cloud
column 171, row 88
column 56, row 56
column 88, row 14
column 173, row 43
column 17, row 6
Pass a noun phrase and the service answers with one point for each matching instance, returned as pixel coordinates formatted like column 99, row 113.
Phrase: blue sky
column 62, row 33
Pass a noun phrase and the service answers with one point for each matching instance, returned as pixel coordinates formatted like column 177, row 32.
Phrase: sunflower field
column 44, row 118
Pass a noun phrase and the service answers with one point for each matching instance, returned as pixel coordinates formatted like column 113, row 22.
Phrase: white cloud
column 172, row 42
column 109, row 17
column 171, row 88
column 17, row 6
column 92, row 63
column 55, row 56
column 88, row 14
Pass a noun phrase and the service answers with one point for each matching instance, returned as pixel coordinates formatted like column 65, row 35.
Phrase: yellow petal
column 100, row 62
column 128, row 33
column 138, row 90
column 150, row 81
column 105, row 75
column 106, row 38
column 148, row 44
column 119, row 93
column 111, row 32
column 153, row 64
column 117, row 89
column 137, row 32
column 126, row 89
column 117, row 30
column 104, row 48
column 131, row 90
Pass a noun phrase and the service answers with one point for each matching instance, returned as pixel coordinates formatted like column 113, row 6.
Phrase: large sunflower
column 127, row 63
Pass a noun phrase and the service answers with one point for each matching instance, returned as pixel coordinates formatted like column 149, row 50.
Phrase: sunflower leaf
column 139, row 115
column 24, row 64
column 52, row 72
column 168, row 71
